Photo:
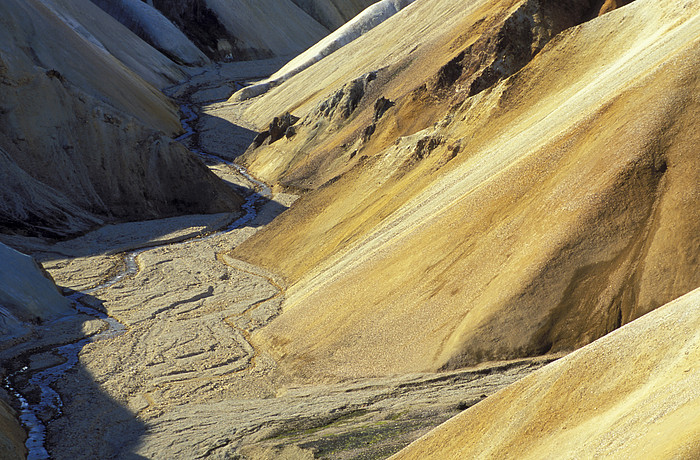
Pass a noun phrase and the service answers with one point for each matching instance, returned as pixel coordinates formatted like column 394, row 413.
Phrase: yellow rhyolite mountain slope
column 632, row 394
column 462, row 49
column 416, row 27
column 538, row 216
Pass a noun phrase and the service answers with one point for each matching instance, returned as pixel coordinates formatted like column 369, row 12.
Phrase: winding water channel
column 50, row 402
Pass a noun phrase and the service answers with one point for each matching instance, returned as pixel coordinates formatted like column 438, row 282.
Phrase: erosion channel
column 157, row 362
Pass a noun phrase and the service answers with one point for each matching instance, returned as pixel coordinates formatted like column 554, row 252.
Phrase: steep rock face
column 538, row 215
column 82, row 138
column 149, row 24
column 631, row 394
column 12, row 435
column 25, row 293
column 202, row 27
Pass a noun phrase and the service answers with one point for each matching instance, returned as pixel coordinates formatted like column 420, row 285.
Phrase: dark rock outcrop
column 342, row 104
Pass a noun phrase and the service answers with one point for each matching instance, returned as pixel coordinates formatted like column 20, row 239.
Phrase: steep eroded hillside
column 537, row 215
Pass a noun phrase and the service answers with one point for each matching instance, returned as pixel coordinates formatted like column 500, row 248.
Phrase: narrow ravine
column 49, row 406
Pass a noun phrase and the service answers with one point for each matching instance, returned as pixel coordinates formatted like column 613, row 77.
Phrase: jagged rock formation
column 511, row 202
column 83, row 139
column 469, row 48
column 631, row 394
column 26, row 294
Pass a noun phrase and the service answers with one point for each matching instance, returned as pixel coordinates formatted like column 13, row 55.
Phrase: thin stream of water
column 50, row 403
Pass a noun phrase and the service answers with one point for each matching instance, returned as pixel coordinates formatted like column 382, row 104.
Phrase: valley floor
column 182, row 380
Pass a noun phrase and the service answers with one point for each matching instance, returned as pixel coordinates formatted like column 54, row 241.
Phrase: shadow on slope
column 223, row 138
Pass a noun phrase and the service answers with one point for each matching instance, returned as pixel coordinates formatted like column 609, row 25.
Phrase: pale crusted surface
column 87, row 261
column 188, row 314
column 632, row 394
column 364, row 418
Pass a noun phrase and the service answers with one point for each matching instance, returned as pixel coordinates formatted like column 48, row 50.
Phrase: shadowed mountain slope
column 12, row 436
column 239, row 30
column 151, row 25
column 26, row 294
column 537, row 215
column 229, row 29
column 631, row 394
column 247, row 28
column 201, row 25
column 83, row 138
column 100, row 29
